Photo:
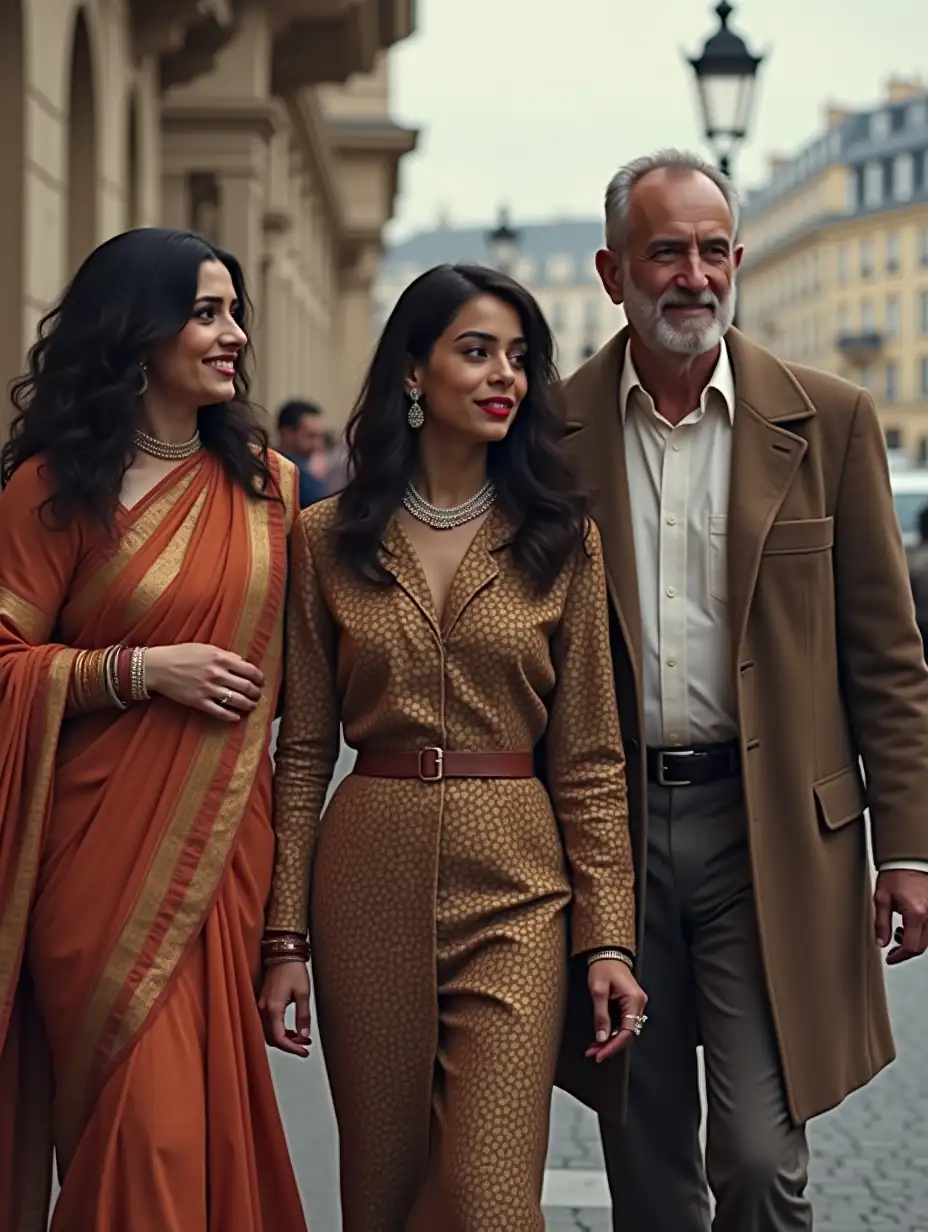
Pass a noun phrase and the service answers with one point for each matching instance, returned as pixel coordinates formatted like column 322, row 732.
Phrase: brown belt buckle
column 439, row 756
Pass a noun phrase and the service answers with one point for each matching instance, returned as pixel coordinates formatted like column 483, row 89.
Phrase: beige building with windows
column 836, row 267
column 265, row 124
column 554, row 260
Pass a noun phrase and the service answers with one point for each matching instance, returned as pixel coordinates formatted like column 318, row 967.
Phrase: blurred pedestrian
column 449, row 608
column 143, row 566
column 765, row 645
column 301, row 433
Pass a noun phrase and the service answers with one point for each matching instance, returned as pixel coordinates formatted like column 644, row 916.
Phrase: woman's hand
column 218, row 682
column 286, row 984
column 610, row 980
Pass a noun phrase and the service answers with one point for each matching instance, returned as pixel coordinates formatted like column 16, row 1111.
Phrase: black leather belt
column 694, row 767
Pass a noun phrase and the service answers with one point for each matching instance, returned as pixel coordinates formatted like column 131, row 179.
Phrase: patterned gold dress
column 438, row 912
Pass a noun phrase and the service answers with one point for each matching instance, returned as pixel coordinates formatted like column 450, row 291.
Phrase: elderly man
column 765, row 645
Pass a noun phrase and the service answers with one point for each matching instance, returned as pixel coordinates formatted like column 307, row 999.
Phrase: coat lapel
column 765, row 459
column 596, row 442
column 478, row 568
column 399, row 558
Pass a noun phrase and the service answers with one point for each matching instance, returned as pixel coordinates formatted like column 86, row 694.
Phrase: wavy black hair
column 534, row 480
column 78, row 401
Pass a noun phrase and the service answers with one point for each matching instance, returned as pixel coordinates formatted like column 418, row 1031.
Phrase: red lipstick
column 499, row 408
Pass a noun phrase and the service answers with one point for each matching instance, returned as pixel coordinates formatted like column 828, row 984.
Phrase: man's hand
column 902, row 892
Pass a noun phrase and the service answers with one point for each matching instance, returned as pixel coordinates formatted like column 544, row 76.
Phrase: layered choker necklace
column 164, row 450
column 448, row 519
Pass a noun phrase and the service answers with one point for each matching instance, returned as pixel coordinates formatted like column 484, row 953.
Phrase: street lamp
column 726, row 76
column 503, row 243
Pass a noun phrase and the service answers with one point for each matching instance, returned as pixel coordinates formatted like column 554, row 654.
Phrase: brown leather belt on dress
column 431, row 765
column 705, row 763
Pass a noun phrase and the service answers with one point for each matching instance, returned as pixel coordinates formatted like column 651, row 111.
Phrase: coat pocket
column 841, row 797
column 809, row 535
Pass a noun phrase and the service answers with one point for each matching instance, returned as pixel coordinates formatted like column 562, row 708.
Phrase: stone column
column 355, row 332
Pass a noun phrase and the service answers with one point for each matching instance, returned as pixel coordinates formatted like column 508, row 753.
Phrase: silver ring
column 225, row 699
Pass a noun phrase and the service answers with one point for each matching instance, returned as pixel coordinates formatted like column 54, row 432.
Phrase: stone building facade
column 265, row 125
column 836, row 266
column 554, row 259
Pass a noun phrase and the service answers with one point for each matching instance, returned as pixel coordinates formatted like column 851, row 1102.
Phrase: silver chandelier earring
column 143, row 384
column 415, row 415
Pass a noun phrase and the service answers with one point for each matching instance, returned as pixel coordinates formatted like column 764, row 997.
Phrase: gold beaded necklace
column 164, row 450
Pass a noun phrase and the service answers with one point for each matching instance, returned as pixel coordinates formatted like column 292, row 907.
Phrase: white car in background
column 910, row 495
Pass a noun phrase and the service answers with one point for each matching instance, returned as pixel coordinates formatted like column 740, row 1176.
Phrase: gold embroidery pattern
column 185, row 813
column 30, row 621
column 166, row 568
column 92, row 593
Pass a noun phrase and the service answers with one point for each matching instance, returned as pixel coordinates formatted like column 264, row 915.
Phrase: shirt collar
column 722, row 381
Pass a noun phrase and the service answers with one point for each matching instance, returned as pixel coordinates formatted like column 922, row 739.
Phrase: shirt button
column 676, row 447
column 671, row 663
column 671, row 520
column 671, row 592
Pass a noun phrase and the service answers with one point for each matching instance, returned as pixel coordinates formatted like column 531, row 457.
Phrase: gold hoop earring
column 415, row 415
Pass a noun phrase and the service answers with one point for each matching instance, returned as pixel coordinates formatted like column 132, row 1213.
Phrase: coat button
column 633, row 745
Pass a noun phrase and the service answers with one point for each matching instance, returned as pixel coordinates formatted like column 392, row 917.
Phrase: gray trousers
column 701, row 968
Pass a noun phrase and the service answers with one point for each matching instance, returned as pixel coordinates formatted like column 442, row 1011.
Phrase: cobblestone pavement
column 870, row 1157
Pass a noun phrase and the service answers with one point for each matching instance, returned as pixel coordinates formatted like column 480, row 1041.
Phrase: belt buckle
column 439, row 755
column 662, row 773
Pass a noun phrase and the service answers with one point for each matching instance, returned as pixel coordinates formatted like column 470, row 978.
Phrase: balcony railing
column 860, row 347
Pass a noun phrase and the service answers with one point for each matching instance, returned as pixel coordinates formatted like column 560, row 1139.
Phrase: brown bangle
column 123, row 673
column 284, row 947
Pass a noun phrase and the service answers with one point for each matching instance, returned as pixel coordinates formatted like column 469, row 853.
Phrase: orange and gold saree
column 135, row 862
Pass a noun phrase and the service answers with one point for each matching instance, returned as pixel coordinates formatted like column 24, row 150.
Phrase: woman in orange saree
column 135, row 838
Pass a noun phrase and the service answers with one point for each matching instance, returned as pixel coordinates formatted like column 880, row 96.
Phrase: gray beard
column 649, row 321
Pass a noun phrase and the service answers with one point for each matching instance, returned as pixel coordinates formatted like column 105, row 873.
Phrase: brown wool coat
column 829, row 669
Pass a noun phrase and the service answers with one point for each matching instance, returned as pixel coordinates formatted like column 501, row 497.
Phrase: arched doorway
column 12, row 197
column 82, row 149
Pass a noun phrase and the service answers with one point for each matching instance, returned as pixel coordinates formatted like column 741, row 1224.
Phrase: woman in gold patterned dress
column 449, row 609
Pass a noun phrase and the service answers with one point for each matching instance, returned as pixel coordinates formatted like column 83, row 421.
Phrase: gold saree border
column 35, row 1179
column 30, row 621
column 288, row 483
column 92, row 593
column 166, row 568
column 15, row 915
column 74, row 1090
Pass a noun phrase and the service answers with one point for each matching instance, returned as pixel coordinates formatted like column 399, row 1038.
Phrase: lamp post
column 503, row 243
column 726, row 77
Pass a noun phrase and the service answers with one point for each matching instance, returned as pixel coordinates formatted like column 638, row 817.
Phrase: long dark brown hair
column 78, row 401
column 535, row 483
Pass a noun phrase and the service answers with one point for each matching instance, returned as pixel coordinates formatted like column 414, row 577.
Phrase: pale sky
column 537, row 102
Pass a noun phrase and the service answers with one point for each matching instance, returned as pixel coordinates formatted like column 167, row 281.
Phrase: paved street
column 870, row 1157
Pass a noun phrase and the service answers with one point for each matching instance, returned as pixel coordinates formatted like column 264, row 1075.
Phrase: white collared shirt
column 678, row 481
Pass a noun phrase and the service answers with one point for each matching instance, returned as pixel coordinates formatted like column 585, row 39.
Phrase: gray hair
column 618, row 194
